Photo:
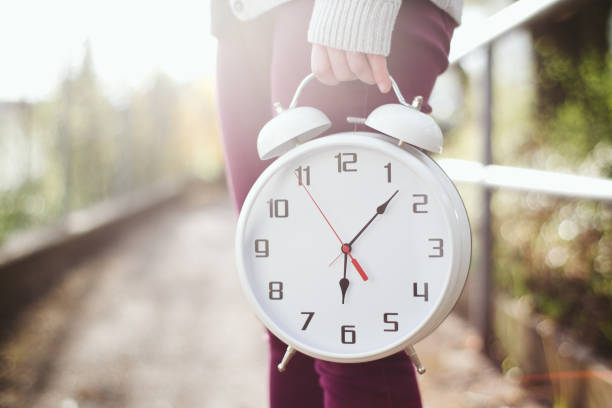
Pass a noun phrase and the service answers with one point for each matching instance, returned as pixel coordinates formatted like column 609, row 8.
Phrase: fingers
column 332, row 66
column 378, row 63
column 340, row 65
column 359, row 65
column 321, row 66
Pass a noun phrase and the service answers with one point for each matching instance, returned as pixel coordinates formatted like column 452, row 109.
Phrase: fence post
column 480, row 302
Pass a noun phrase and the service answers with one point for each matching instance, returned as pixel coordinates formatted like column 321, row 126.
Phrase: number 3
column 440, row 247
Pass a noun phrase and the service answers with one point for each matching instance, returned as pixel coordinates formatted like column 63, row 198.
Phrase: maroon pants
column 262, row 61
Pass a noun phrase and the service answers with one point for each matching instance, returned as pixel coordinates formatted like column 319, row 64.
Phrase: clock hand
column 321, row 211
column 335, row 259
column 379, row 210
column 358, row 267
column 354, row 262
column 344, row 283
column 362, row 273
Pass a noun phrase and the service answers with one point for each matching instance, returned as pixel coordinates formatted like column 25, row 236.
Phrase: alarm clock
column 356, row 245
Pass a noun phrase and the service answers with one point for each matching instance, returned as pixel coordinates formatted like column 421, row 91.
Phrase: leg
column 418, row 55
column 386, row 383
column 243, row 91
column 298, row 386
column 243, row 99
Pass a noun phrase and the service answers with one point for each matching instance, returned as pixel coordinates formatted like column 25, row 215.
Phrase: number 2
column 416, row 205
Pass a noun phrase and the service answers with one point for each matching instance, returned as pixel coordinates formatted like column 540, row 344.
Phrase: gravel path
column 158, row 320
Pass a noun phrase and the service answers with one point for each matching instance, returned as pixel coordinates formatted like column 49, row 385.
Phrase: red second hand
column 319, row 208
column 353, row 260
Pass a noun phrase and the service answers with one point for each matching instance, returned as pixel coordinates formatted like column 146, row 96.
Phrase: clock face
column 347, row 247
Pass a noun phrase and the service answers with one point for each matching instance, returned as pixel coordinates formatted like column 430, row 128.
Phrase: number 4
column 425, row 294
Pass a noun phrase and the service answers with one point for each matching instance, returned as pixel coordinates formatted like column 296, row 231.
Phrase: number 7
column 308, row 319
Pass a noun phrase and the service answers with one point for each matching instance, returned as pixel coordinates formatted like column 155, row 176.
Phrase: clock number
column 439, row 248
column 395, row 324
column 348, row 336
column 308, row 319
column 388, row 167
column 275, row 290
column 262, row 248
column 425, row 294
column 415, row 205
column 306, row 171
column 343, row 163
column 278, row 208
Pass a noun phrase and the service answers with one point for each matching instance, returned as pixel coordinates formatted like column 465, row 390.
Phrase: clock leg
column 415, row 359
column 288, row 354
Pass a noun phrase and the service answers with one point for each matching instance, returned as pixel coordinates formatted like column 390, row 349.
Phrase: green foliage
column 13, row 210
column 77, row 148
column 558, row 252
column 578, row 116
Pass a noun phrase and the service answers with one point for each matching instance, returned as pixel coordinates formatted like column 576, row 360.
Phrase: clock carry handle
column 295, row 125
column 418, row 101
column 402, row 121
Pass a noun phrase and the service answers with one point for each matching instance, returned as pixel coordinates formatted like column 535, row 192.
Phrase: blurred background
column 117, row 284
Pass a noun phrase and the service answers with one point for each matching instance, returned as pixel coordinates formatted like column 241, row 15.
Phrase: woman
column 266, row 47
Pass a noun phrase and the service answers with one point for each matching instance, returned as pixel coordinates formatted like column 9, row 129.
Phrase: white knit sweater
column 351, row 25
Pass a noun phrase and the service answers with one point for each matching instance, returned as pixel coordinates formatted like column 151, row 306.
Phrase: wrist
column 354, row 25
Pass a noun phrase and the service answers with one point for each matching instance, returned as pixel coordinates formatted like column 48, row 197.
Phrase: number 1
column 388, row 167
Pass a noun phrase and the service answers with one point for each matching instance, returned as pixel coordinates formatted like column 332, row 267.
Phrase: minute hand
column 379, row 210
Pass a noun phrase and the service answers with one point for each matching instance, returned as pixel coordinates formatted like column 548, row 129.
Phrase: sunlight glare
column 130, row 40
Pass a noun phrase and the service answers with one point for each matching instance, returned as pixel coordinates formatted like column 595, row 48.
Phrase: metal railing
column 489, row 176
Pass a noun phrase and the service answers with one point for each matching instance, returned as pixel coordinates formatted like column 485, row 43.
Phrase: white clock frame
column 401, row 123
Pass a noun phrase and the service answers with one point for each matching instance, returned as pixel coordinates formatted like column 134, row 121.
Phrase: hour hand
column 344, row 282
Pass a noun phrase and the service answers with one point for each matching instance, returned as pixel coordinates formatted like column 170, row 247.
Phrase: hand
column 331, row 66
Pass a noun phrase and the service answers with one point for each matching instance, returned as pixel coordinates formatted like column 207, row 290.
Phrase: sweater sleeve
column 354, row 25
